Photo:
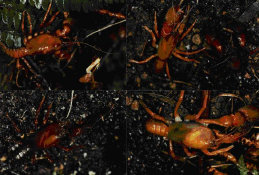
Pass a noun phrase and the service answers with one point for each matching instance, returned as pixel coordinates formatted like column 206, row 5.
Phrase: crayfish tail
column 14, row 53
column 157, row 128
column 159, row 65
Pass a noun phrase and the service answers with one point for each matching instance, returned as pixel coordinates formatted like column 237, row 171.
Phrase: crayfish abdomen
column 157, row 128
column 42, row 44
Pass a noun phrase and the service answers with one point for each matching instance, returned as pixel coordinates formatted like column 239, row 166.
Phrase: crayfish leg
column 13, row 123
column 167, row 70
column 112, row 14
column 204, row 105
column 180, row 99
column 184, row 58
column 152, row 35
column 38, row 111
column 151, row 113
column 69, row 149
column 144, row 61
column 189, row 53
column 213, row 153
column 171, row 150
column 155, row 25
column 188, row 153
column 47, row 114
column 188, row 30
column 65, row 55
column 46, row 15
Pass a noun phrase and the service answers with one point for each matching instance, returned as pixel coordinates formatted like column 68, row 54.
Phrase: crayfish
column 195, row 134
column 242, row 120
column 48, row 137
column 42, row 43
column 172, row 33
column 188, row 134
column 252, row 154
column 244, row 116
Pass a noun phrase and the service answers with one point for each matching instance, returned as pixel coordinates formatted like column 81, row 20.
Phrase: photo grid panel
column 192, row 132
column 129, row 87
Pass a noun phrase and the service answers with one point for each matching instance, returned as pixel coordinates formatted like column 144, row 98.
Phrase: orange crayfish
column 171, row 34
column 188, row 134
column 245, row 115
column 51, row 134
column 42, row 43
column 241, row 117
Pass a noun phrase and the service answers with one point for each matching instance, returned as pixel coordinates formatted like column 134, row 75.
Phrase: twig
column 106, row 27
column 71, row 103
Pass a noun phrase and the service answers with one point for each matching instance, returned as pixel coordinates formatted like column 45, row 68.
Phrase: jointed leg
column 153, row 36
column 205, row 100
column 151, row 113
column 63, row 54
column 188, row 30
column 184, row 58
column 177, row 27
column 144, row 61
column 46, row 15
column 18, row 64
column 167, row 70
column 29, row 20
column 13, row 123
column 218, row 121
column 215, row 171
column 189, row 53
column 34, row 158
column 227, row 138
column 155, row 25
column 23, row 31
column 117, row 15
column 69, row 149
column 51, row 19
column 47, row 114
column 229, row 157
column 181, row 28
column 38, row 111
column 188, row 153
column 176, row 114
column 249, row 142
column 171, row 150
column 180, row 3
column 213, row 153
column 17, row 78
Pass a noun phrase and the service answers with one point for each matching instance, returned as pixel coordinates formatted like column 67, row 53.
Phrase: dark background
column 216, row 70
column 148, row 153
column 55, row 74
column 103, row 138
